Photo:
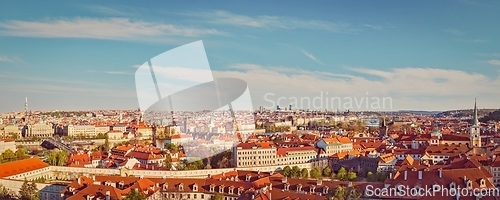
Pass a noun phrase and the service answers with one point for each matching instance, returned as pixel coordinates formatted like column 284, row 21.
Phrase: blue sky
column 424, row 55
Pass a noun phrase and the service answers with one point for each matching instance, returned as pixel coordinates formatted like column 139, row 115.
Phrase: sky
column 377, row 55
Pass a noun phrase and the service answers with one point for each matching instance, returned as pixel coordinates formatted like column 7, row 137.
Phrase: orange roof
column 21, row 166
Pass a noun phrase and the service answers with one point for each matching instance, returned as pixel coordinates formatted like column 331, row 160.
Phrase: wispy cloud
column 454, row 32
column 267, row 21
column 494, row 62
column 111, row 72
column 115, row 11
column 488, row 54
column 451, row 86
column 311, row 56
column 378, row 28
column 99, row 28
column 11, row 59
column 475, row 41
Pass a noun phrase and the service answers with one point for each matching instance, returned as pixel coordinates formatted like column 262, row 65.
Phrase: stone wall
column 73, row 171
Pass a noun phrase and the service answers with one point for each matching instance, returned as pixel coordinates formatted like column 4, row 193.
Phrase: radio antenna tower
column 26, row 106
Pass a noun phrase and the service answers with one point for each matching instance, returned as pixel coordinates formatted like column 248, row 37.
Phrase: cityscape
column 243, row 103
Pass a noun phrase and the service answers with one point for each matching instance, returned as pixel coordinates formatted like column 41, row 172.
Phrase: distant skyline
column 425, row 55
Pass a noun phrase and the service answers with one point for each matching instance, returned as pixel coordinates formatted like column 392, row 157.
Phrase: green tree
column 381, row 176
column 217, row 196
column 134, row 195
column 172, row 147
column 20, row 153
column 28, row 191
column 339, row 193
column 327, row 171
column 346, row 193
column 105, row 146
column 6, row 193
column 351, row 176
column 287, row 171
column 342, row 174
column 370, row 177
column 304, row 173
column 9, row 155
column 62, row 158
column 315, row 173
column 168, row 160
column 295, row 171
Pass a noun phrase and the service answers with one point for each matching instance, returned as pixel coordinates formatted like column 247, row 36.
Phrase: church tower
column 383, row 129
column 475, row 130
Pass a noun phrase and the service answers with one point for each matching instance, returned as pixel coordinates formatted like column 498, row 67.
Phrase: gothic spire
column 476, row 120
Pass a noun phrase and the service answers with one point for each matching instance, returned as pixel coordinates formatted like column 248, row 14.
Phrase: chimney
column 406, row 175
column 93, row 177
column 319, row 182
column 419, row 175
column 108, row 195
column 440, row 173
column 79, row 180
column 390, row 175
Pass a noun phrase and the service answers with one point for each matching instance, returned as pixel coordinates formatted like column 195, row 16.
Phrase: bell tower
column 475, row 130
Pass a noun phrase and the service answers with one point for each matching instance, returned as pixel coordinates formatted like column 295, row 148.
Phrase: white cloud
column 494, row 62
column 111, row 72
column 11, row 59
column 378, row 28
column 475, row 41
column 312, row 57
column 410, row 87
column 95, row 28
column 454, row 32
column 110, row 11
column 266, row 21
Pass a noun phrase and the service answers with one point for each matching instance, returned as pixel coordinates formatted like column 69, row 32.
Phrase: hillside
column 465, row 113
column 492, row 116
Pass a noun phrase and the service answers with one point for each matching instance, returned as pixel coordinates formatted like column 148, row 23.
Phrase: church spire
column 476, row 120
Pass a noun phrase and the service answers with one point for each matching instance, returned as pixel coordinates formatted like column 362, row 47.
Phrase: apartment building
column 77, row 130
column 336, row 145
column 38, row 130
column 296, row 154
column 255, row 154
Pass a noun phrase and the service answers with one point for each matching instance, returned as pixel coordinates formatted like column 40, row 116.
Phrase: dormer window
column 299, row 187
column 240, row 190
column 195, row 188
column 231, row 189
column 165, row 186
column 469, row 184
column 221, row 189
column 325, row 190
column 248, row 177
column 482, row 183
column 181, row 187
column 287, row 186
column 312, row 188
column 212, row 188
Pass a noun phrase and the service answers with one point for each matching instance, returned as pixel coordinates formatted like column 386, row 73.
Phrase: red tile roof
column 21, row 166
